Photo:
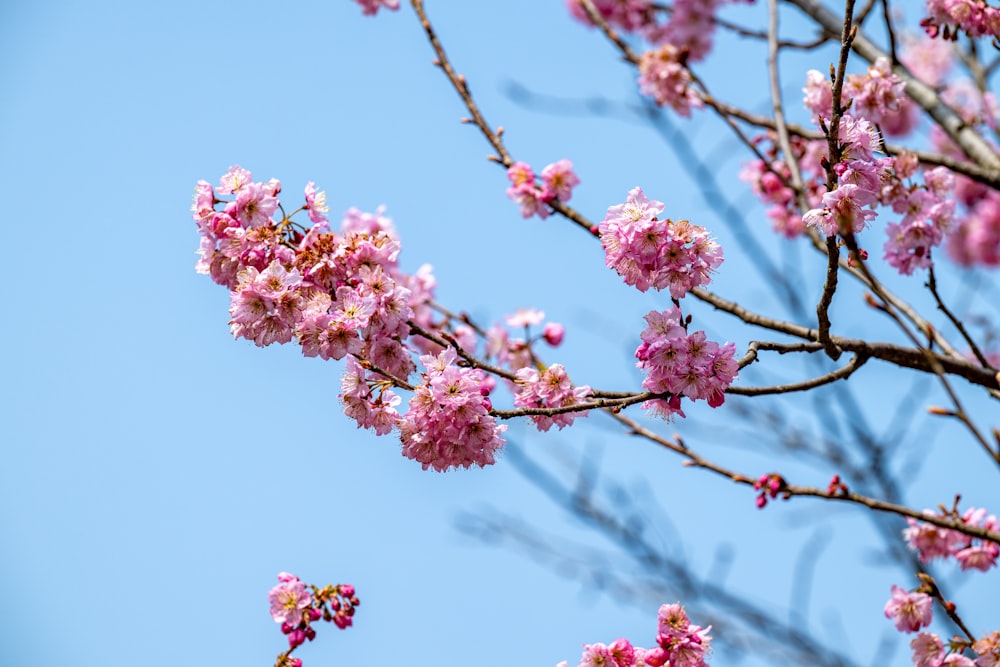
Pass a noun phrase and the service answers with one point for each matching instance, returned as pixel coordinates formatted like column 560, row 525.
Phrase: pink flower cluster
column 976, row 236
column 371, row 7
column 550, row 389
column 336, row 294
column 664, row 76
column 930, row 651
column 928, row 59
column 448, row 423
column 343, row 295
column 628, row 15
column 877, row 96
column 296, row 608
column 689, row 28
column 558, row 181
column 682, row 364
column 930, row 541
column 974, row 17
column 769, row 181
column 927, row 216
column 515, row 353
column 846, row 208
column 649, row 252
column 680, row 643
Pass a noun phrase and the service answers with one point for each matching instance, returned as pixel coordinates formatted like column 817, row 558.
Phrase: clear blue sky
column 157, row 475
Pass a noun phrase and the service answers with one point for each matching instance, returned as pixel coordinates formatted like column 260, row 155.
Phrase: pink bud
column 761, row 501
column 656, row 658
column 346, row 590
column 314, row 614
column 296, row 638
column 286, row 628
column 553, row 333
column 293, row 662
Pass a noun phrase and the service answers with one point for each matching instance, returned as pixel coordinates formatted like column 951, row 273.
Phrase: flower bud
column 553, row 333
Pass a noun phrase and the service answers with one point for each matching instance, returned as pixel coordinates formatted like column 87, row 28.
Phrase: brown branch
column 931, row 585
column 599, row 21
column 826, row 298
column 834, row 155
column 906, row 357
column 779, row 112
column 840, row 374
column 695, row 460
column 461, row 86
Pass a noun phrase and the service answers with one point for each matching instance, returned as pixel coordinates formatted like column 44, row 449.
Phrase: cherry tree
column 891, row 177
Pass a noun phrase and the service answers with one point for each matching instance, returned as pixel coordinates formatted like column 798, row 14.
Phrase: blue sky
column 158, row 475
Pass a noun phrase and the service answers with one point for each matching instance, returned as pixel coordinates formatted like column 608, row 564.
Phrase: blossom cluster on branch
column 297, row 606
column 343, row 294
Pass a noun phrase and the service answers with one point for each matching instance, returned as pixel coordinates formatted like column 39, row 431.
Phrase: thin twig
column 693, row 459
column 916, row 359
column 599, row 21
column 891, row 32
column 461, row 86
column 857, row 361
column 779, row 112
column 932, row 286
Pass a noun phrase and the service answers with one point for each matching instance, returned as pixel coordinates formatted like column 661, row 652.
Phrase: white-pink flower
column 288, row 600
column 909, row 611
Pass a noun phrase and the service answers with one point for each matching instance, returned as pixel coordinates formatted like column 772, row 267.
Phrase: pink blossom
column 928, row 59
column 549, row 389
column 596, row 655
column 928, row 650
column 649, row 252
column 371, row 7
column 316, row 203
column 980, row 557
column 559, row 180
column 819, row 94
column 974, row 17
column 976, row 237
column 253, row 207
column 690, row 28
column 525, row 317
column 988, row 649
column 234, row 180
column 663, row 75
column 876, row 93
column 448, row 423
column 629, row 15
column 288, row 600
column 910, row 611
column 554, row 333
column 622, row 652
